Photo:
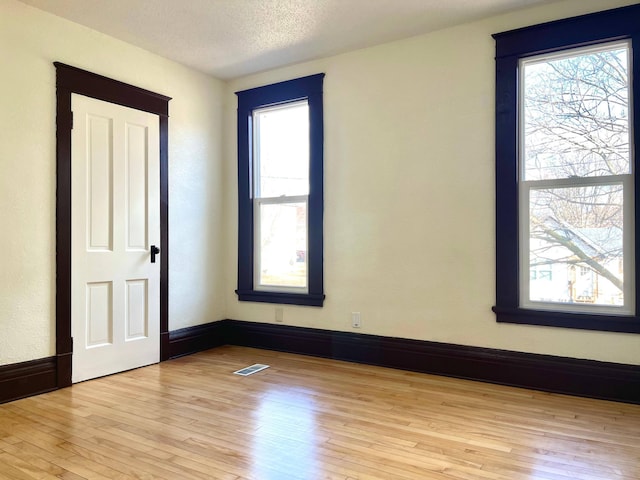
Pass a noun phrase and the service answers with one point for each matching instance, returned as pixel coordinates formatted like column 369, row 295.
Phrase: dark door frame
column 74, row 80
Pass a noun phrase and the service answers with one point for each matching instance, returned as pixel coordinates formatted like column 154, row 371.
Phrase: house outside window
column 565, row 173
column 280, row 188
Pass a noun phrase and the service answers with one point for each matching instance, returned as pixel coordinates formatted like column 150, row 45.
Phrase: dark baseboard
column 63, row 365
column 195, row 339
column 587, row 378
column 19, row 380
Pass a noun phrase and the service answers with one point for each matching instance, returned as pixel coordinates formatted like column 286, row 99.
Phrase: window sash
column 257, row 253
column 256, row 157
column 567, row 53
column 525, row 188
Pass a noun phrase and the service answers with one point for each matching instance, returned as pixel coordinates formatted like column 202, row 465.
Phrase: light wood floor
column 309, row 418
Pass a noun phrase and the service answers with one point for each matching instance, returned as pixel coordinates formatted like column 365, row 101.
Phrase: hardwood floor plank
column 35, row 470
column 307, row 418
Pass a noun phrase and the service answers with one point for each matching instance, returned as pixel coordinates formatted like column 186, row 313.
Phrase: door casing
column 74, row 80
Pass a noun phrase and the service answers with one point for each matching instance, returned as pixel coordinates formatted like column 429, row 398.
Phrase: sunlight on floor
column 286, row 435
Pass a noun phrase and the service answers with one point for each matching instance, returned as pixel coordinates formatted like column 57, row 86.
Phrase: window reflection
column 284, row 441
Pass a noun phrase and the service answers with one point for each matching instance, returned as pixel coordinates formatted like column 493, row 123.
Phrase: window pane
column 282, row 150
column 283, row 245
column 575, row 245
column 576, row 115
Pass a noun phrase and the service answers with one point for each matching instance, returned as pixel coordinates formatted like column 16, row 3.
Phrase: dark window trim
column 74, row 80
column 609, row 25
column 309, row 88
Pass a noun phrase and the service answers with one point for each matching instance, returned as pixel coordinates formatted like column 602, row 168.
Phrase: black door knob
column 154, row 251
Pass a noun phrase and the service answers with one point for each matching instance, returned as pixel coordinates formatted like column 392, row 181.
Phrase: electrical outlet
column 356, row 321
column 279, row 314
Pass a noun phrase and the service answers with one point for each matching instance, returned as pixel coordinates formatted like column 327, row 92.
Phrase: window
column 280, row 189
column 566, row 219
column 575, row 179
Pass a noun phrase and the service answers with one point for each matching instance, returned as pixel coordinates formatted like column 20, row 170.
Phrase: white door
column 115, row 299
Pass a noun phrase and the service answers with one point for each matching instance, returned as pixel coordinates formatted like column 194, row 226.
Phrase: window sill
column 304, row 299
column 581, row 321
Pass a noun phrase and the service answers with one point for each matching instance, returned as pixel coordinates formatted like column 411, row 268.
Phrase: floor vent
column 251, row 370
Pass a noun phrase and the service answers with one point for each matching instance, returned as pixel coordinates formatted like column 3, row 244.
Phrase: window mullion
column 576, row 181
column 282, row 199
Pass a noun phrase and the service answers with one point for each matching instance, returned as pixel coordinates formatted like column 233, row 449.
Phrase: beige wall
column 409, row 189
column 30, row 41
column 409, row 218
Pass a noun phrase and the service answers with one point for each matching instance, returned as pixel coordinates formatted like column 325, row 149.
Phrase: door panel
column 99, row 188
column 115, row 216
column 99, row 316
column 137, row 320
column 136, row 187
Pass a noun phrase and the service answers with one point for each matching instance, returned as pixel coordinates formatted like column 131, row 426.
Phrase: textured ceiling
column 232, row 38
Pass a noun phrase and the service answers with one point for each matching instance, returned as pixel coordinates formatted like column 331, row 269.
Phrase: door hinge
column 72, row 120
